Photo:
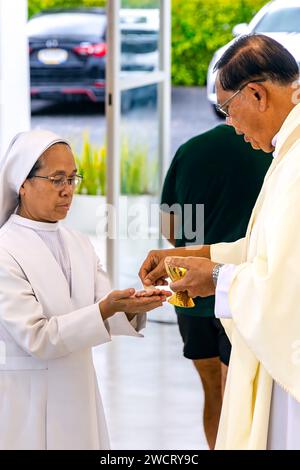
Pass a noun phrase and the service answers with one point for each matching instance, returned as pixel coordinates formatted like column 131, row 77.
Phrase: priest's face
column 47, row 195
column 247, row 110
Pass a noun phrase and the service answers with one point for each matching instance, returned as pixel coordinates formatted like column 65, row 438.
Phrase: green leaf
column 138, row 174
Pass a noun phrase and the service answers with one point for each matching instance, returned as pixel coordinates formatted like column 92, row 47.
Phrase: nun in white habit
column 55, row 305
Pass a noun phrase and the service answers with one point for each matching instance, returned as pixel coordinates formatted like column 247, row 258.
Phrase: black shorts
column 203, row 338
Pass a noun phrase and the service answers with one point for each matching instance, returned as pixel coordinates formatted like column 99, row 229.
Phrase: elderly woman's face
column 41, row 199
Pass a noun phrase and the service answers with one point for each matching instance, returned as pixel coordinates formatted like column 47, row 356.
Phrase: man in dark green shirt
column 221, row 172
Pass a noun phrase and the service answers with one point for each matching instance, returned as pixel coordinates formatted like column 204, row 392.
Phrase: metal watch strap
column 215, row 273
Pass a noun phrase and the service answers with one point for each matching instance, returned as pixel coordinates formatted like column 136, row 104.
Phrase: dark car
column 68, row 52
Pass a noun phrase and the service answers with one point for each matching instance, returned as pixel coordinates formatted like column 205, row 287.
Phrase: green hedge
column 34, row 6
column 199, row 27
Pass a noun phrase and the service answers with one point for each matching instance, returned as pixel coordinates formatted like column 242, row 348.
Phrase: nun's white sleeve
column 118, row 324
column 22, row 316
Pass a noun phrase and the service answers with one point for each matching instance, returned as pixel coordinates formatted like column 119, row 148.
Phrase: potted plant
column 138, row 187
column 91, row 164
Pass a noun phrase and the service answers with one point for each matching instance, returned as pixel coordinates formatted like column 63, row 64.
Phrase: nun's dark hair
column 36, row 167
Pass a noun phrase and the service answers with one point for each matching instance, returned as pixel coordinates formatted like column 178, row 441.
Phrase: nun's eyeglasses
column 59, row 182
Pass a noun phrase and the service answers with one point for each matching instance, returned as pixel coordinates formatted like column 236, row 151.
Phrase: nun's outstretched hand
column 131, row 302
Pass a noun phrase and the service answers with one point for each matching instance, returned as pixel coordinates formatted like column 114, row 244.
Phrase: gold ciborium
column 179, row 299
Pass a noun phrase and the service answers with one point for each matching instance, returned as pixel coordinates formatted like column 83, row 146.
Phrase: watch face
column 215, row 273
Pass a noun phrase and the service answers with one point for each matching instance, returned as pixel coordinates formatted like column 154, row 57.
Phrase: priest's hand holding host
column 153, row 271
column 198, row 280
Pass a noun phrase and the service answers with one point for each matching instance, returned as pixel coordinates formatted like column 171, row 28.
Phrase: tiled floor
column 152, row 395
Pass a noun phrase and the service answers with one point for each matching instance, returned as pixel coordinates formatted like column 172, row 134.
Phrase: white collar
column 274, row 142
column 34, row 224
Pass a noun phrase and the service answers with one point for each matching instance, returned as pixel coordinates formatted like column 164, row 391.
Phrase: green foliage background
column 199, row 27
column 34, row 6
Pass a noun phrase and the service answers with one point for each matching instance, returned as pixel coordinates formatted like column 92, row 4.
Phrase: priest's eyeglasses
column 60, row 181
column 223, row 108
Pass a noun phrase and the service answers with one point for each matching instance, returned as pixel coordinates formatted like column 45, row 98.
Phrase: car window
column 136, row 18
column 139, row 30
column 285, row 20
column 74, row 24
column 133, row 19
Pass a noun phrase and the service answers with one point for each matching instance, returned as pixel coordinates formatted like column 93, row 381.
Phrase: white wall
column 14, row 71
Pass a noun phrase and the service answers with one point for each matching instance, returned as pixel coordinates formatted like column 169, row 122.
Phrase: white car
column 278, row 19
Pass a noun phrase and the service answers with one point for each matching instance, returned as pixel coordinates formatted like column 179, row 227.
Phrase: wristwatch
column 215, row 273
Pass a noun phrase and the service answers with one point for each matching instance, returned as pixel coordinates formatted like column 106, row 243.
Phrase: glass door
column 138, row 130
